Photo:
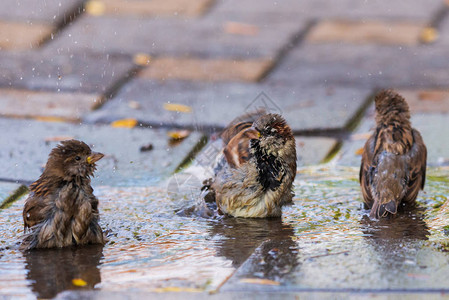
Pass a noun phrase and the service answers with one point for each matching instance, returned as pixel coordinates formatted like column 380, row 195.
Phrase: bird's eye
column 77, row 158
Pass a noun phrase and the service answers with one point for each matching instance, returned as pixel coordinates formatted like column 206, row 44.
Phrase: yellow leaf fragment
column 142, row 59
column 178, row 134
column 428, row 35
column 359, row 151
column 177, row 289
column 177, row 107
column 124, row 123
column 95, row 8
column 260, row 281
column 78, row 282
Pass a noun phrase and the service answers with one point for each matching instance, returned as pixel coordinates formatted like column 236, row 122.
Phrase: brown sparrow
column 256, row 169
column 394, row 158
column 61, row 209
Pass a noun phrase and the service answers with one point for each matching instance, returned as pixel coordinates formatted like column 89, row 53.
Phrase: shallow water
column 323, row 241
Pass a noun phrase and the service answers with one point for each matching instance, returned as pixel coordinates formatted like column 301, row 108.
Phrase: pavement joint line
column 117, row 85
column 438, row 18
column 16, row 195
column 67, row 18
column 192, row 154
column 217, row 290
column 294, row 42
column 18, row 181
column 332, row 152
column 353, row 122
column 337, row 133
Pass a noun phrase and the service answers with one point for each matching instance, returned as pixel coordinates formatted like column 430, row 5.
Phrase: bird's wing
column 240, row 123
column 236, row 151
column 34, row 211
column 418, row 163
column 367, row 170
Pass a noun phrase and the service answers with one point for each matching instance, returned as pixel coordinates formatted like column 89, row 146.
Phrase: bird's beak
column 94, row 157
column 252, row 133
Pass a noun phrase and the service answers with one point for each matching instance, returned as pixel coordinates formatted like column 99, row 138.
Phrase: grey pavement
column 27, row 143
column 215, row 105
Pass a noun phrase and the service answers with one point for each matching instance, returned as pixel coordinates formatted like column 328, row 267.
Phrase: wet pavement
column 131, row 77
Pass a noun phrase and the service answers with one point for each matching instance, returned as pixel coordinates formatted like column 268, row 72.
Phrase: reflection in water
column 276, row 252
column 52, row 270
column 396, row 238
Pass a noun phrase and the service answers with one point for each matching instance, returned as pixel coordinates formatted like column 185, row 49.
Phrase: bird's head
column 71, row 159
column 272, row 132
column 390, row 107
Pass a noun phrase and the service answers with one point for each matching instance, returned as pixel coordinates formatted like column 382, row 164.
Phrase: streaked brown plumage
column 61, row 209
column 255, row 173
column 393, row 168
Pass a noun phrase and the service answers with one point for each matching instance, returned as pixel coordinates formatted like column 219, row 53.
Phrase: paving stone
column 400, row 9
column 83, row 73
column 431, row 126
column 67, row 106
column 313, row 150
column 364, row 66
column 213, row 36
column 443, row 32
column 365, row 31
column 26, row 145
column 148, row 8
column 214, row 106
column 206, row 70
column 22, row 36
column 427, row 101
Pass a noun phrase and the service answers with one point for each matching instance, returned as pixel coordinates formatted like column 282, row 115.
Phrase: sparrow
column 254, row 173
column 393, row 167
column 61, row 209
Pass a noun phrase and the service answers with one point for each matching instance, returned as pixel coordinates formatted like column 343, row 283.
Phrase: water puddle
column 323, row 241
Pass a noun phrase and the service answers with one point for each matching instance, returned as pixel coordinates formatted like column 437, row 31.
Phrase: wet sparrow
column 255, row 171
column 61, row 209
column 394, row 158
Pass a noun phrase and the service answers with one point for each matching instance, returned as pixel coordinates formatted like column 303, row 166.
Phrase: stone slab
column 30, row 104
column 365, row 32
column 430, row 125
column 397, row 9
column 427, row 100
column 85, row 73
column 30, row 11
column 148, row 8
column 214, row 106
column 206, row 70
column 369, row 66
column 23, row 36
column 443, row 32
column 209, row 37
column 27, row 143
column 313, row 150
